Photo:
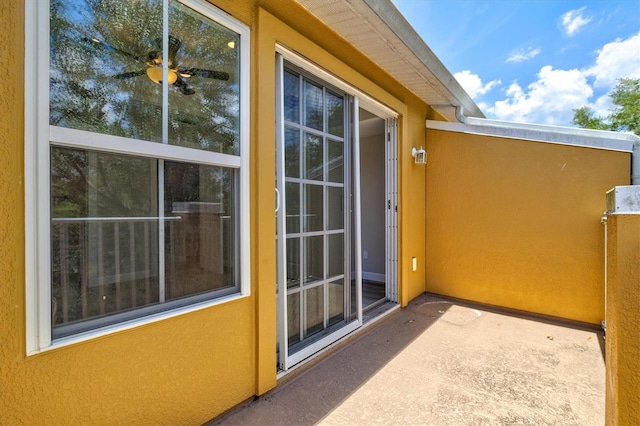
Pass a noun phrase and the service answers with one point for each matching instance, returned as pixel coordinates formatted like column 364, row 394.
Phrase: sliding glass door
column 315, row 227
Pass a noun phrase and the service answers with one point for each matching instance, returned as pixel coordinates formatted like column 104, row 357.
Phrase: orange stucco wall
column 516, row 223
column 623, row 322
column 189, row 368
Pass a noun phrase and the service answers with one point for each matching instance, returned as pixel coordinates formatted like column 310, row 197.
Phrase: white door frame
column 286, row 360
column 391, row 215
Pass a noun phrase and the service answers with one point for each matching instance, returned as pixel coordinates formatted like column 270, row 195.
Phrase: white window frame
column 40, row 136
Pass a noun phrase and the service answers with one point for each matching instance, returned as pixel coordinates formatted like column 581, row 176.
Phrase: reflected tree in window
column 105, row 66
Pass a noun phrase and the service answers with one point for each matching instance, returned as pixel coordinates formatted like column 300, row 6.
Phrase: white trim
column 43, row 192
column 245, row 147
column 165, row 72
column 40, row 136
column 585, row 138
column 217, row 15
column 369, row 103
column 33, row 175
column 391, row 215
column 315, row 347
column 82, row 139
column 281, row 269
column 357, row 207
column 373, row 276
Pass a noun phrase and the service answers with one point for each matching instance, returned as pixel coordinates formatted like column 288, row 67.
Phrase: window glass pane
column 313, row 208
column 291, row 152
column 335, row 252
column 291, row 97
column 293, row 318
column 336, row 161
column 99, row 60
column 104, row 235
column 313, row 259
column 335, row 209
column 313, row 157
column 199, row 229
column 204, row 102
column 293, row 207
column 293, row 262
column 335, row 114
column 314, row 310
column 336, row 301
column 313, row 106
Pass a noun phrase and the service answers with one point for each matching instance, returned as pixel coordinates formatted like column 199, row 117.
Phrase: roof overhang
column 379, row 31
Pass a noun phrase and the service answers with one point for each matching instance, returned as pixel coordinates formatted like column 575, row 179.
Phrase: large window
column 137, row 163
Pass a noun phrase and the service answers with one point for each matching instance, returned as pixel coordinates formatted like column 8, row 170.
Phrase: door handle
column 277, row 200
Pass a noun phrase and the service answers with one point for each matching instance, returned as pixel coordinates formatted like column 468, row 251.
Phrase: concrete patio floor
column 442, row 362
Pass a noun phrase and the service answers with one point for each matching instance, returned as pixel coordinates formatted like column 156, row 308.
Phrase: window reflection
column 104, row 234
column 106, row 258
column 199, row 246
column 106, row 62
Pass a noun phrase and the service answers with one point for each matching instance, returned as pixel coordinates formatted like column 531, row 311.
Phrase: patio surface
column 443, row 362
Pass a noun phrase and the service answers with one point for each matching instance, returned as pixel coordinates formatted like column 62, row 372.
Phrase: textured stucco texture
column 623, row 322
column 516, row 223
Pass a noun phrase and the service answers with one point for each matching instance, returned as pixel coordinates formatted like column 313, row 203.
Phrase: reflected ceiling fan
column 176, row 75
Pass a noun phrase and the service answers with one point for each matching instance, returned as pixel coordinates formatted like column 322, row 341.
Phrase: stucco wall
column 623, row 322
column 517, row 224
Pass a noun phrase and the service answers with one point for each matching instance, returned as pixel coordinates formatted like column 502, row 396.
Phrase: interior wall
column 373, row 197
column 516, row 223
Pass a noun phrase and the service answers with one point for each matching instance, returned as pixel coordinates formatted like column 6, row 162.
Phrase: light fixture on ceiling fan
column 176, row 74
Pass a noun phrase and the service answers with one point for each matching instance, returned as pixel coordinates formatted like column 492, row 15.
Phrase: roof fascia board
column 394, row 20
column 585, row 138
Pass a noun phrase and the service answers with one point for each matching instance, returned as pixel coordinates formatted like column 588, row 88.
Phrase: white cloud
column 550, row 99
column 555, row 93
column 472, row 83
column 573, row 21
column 522, row 55
column 618, row 59
column 603, row 106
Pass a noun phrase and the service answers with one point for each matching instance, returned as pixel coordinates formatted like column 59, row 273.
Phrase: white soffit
column 600, row 139
column 378, row 30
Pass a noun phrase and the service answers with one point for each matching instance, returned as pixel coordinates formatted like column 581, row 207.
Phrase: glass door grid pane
column 311, row 222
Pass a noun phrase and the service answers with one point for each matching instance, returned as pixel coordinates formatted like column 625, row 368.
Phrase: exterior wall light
column 420, row 155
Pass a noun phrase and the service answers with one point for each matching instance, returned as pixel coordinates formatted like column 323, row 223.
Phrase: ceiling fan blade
column 95, row 42
column 184, row 87
column 130, row 74
column 197, row 72
column 174, row 45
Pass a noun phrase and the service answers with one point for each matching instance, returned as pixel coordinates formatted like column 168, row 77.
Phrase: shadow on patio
column 444, row 362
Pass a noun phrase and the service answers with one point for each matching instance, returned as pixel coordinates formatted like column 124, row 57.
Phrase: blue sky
column 532, row 61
